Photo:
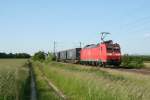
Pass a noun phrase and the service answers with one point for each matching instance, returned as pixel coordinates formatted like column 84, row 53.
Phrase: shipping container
column 57, row 54
column 63, row 55
column 73, row 54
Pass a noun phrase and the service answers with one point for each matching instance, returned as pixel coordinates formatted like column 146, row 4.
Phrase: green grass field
column 85, row 83
column 77, row 82
column 14, row 79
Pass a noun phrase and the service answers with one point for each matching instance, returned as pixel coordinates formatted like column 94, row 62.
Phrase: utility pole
column 80, row 45
column 54, row 48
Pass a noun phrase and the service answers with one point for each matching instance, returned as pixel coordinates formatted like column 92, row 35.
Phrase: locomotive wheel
column 103, row 64
column 99, row 64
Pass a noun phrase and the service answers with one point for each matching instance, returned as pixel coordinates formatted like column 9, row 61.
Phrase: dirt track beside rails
column 144, row 71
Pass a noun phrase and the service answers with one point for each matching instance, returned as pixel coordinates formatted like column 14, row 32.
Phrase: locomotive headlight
column 118, row 54
column 109, row 54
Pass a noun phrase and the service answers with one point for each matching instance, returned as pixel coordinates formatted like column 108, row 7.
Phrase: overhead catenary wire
column 59, row 46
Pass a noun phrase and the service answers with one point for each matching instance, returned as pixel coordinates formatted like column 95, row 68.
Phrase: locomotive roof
column 95, row 45
column 91, row 46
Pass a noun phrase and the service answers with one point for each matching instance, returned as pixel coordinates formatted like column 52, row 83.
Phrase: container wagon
column 71, row 55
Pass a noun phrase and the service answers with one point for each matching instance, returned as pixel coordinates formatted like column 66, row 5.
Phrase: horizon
column 31, row 26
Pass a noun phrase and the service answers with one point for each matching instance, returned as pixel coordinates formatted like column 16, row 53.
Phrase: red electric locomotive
column 104, row 53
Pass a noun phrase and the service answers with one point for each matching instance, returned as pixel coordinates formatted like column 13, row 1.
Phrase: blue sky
column 32, row 25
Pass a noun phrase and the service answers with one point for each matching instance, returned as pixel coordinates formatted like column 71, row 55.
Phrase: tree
column 39, row 56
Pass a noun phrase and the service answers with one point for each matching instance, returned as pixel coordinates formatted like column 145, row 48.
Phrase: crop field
column 14, row 79
column 78, row 82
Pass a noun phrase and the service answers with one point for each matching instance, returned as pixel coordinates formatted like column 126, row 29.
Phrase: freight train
column 101, row 54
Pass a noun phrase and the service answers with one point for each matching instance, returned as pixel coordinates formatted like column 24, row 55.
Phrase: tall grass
column 43, row 90
column 85, row 83
column 14, row 79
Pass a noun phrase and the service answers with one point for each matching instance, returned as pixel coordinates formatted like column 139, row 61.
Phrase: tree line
column 14, row 55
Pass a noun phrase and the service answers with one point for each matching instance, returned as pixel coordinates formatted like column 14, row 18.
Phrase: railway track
column 144, row 71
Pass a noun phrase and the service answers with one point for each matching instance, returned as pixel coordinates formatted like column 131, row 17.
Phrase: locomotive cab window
column 109, row 49
column 117, row 50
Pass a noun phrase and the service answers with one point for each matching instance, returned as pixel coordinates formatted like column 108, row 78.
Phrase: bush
column 50, row 57
column 39, row 56
column 125, row 60
column 132, row 61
